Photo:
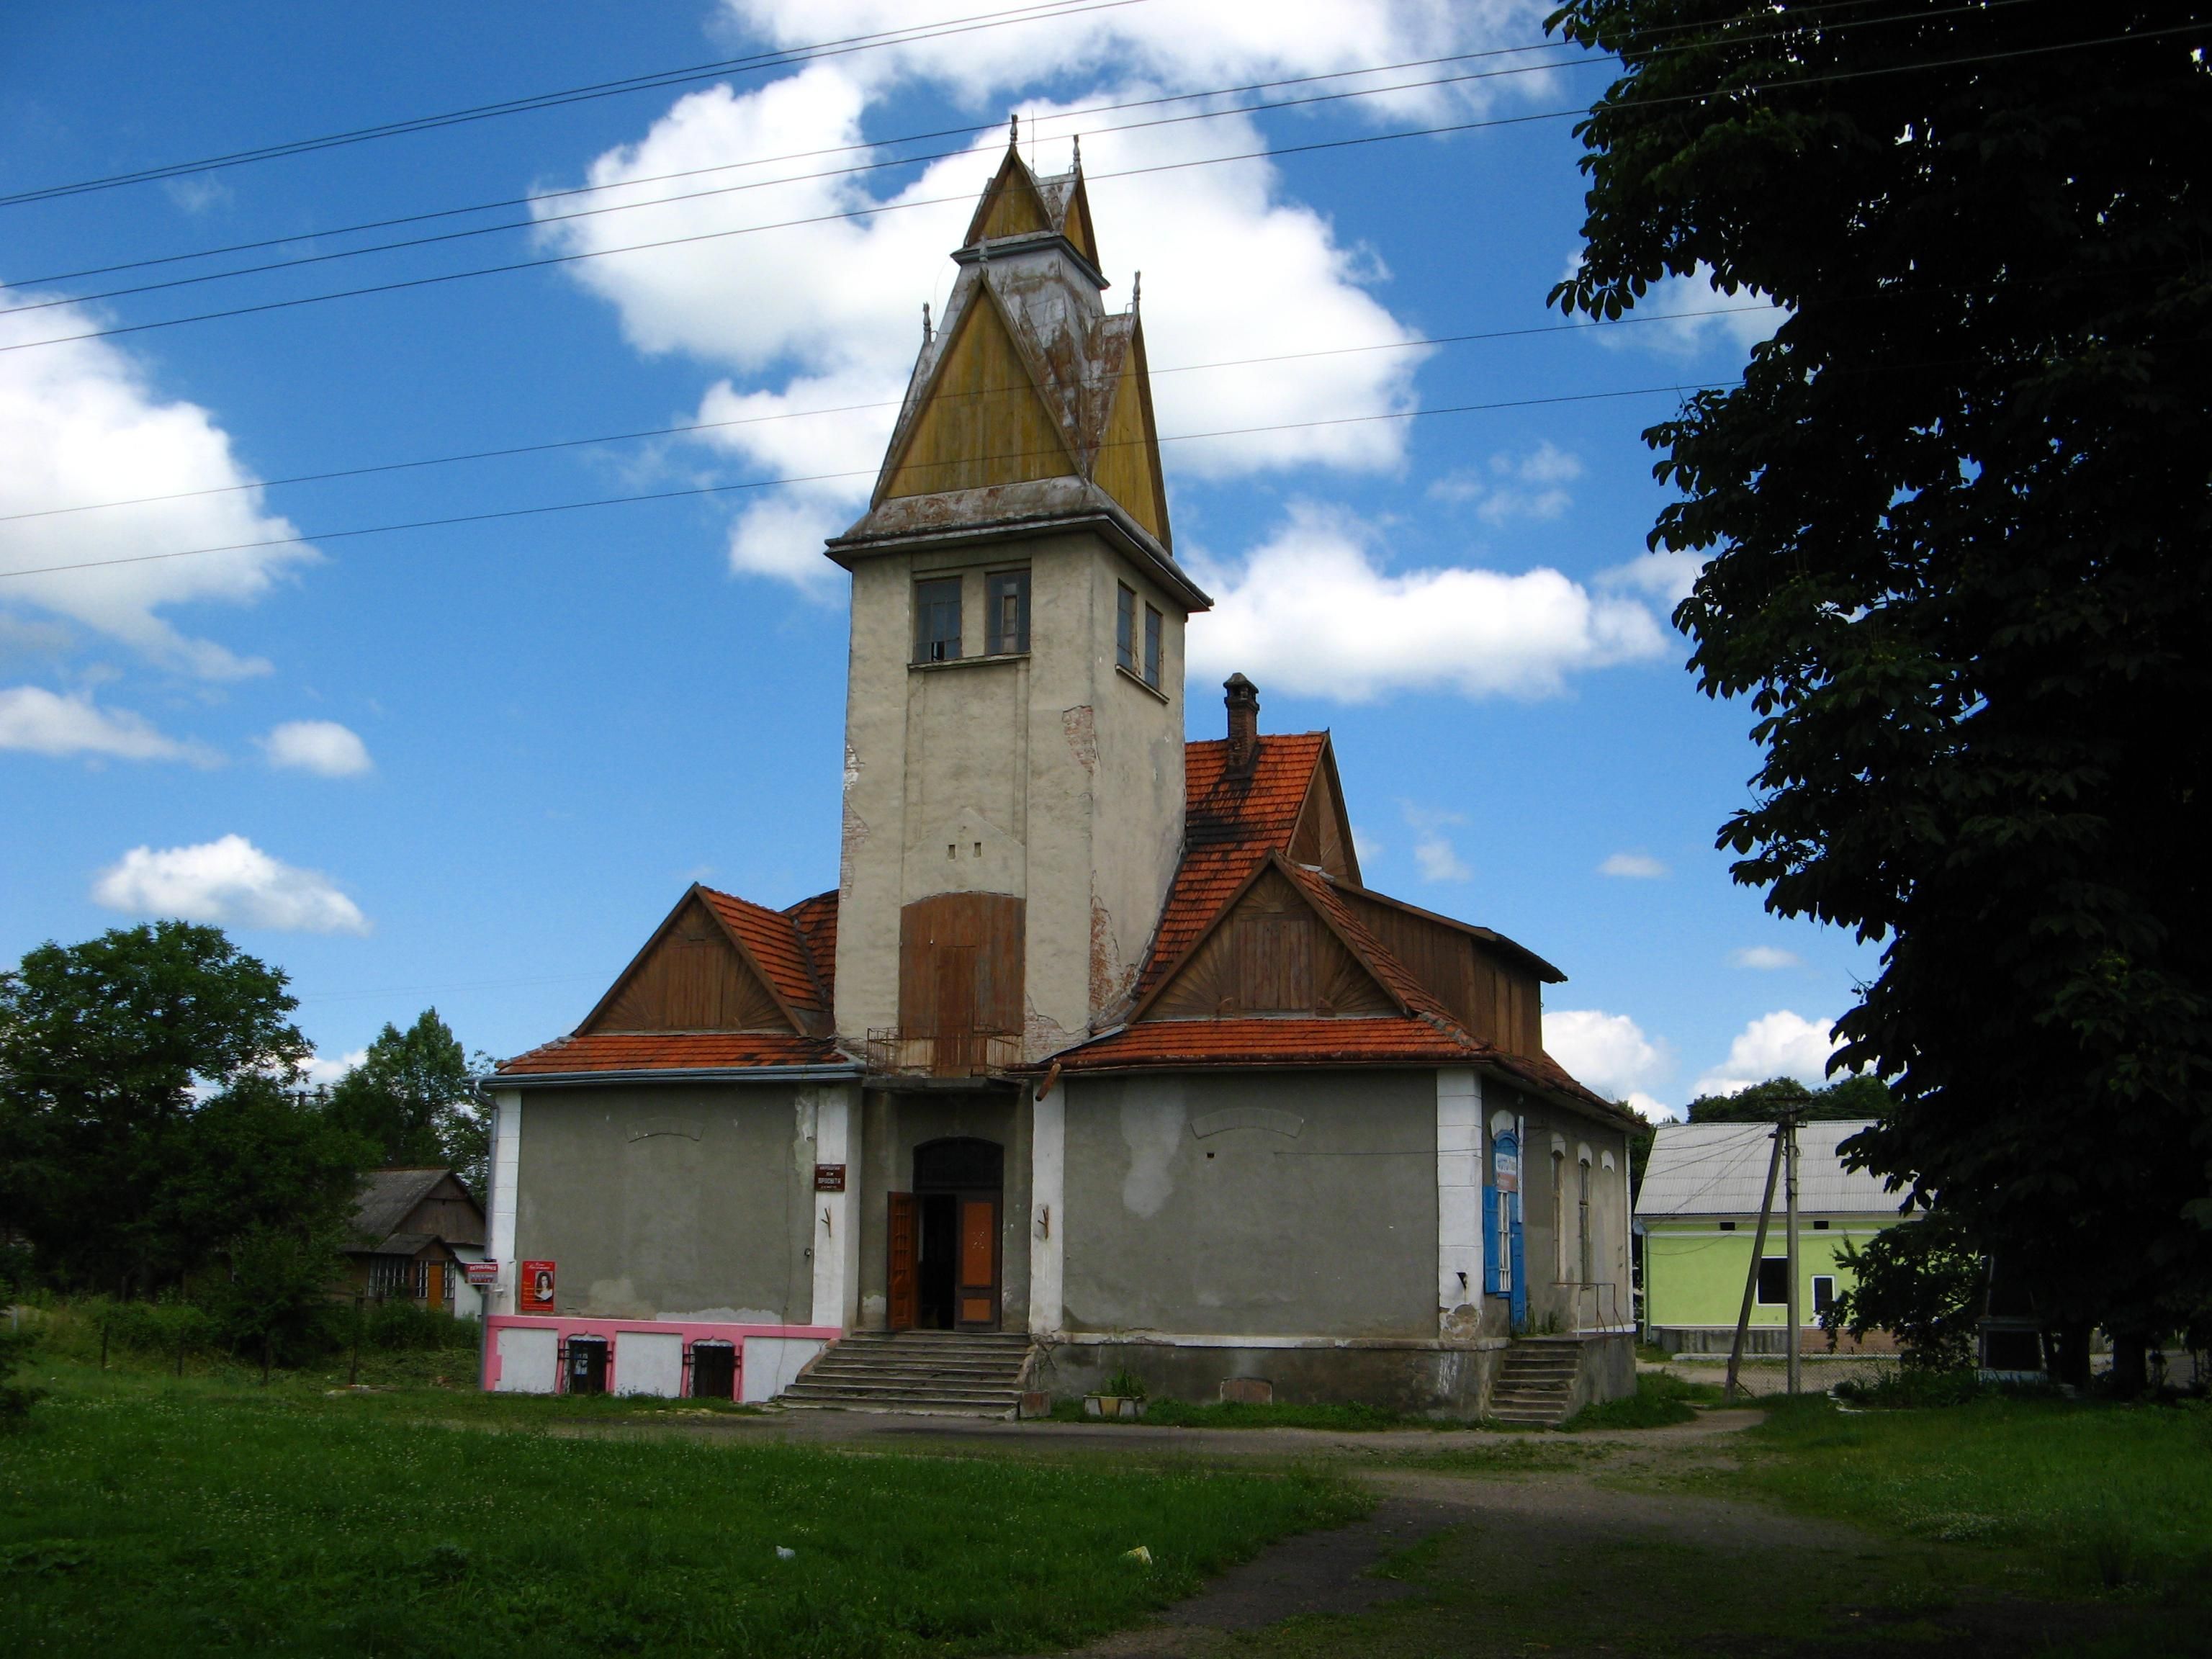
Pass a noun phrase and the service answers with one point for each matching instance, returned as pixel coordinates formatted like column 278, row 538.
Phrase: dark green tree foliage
column 414, row 1099
column 102, row 1045
column 1921, row 1281
column 1849, row 1098
column 1957, row 517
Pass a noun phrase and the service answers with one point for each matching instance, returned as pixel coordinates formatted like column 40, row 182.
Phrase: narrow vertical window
column 937, row 620
column 1008, row 617
column 1125, row 627
column 1152, row 647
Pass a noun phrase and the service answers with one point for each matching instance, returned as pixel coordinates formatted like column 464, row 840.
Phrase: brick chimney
column 1243, row 701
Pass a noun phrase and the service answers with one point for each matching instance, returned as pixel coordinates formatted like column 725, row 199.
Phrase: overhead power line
column 854, row 408
column 438, row 279
column 968, row 131
column 1675, row 388
column 1046, row 11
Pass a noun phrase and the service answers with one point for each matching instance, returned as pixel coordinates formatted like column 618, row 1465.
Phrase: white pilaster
column 836, row 1236
column 505, row 1171
column 1049, row 1220
column 1459, row 1201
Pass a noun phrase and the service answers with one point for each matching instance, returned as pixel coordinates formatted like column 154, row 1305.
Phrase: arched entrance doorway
column 944, row 1265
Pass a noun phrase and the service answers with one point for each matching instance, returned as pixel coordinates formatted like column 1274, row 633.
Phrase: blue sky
column 474, row 765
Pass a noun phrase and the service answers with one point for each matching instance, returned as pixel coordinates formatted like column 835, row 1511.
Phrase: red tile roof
column 774, row 938
column 1397, row 1040
column 1230, row 822
column 670, row 1051
column 816, row 919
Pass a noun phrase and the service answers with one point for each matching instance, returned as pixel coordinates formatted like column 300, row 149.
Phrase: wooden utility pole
column 1751, row 1278
column 1789, row 1232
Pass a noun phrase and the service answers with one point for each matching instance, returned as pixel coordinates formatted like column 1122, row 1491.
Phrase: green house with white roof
column 1697, row 1217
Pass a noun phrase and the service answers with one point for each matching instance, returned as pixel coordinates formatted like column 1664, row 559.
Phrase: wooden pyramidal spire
column 1029, row 399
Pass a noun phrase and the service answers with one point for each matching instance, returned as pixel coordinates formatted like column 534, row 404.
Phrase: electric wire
column 1362, row 139
column 850, row 408
column 1047, row 11
column 1084, row 112
column 1676, row 388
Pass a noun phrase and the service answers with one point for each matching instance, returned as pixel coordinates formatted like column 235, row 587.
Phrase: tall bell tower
column 1013, row 721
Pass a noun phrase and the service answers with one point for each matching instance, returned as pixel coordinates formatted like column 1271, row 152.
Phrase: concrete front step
column 947, row 1373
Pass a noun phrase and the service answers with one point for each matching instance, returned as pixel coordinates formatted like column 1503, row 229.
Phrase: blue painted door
column 1520, row 1272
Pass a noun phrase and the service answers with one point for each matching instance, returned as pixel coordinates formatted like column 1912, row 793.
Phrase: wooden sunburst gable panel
column 1010, row 206
column 691, row 977
column 1322, row 838
column 982, row 421
column 1128, row 466
column 1269, row 953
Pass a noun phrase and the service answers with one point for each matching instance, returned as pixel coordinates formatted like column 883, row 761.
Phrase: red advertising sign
column 534, row 1293
column 829, row 1177
column 482, row 1274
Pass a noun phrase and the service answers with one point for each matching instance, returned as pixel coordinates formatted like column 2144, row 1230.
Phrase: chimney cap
column 1240, row 688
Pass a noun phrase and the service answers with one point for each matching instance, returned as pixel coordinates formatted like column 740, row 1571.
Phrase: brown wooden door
column 434, row 1291
column 978, row 1295
column 905, row 1297
column 952, row 967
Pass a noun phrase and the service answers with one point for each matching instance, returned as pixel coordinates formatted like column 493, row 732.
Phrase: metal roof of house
column 1720, row 1169
column 388, row 1198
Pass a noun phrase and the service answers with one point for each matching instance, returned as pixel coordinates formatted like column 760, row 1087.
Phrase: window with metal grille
column 1007, row 616
column 1151, row 647
column 1125, row 627
column 937, row 620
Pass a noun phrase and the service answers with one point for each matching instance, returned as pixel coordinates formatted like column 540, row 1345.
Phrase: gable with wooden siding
column 982, row 420
column 1271, row 953
column 1498, row 1000
column 691, row 977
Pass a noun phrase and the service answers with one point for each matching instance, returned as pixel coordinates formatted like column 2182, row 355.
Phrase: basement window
column 1124, row 627
column 1152, row 647
column 1007, row 619
column 937, row 620
column 1824, row 1292
column 1773, row 1281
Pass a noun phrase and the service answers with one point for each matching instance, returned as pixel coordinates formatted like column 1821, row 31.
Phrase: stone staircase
column 951, row 1373
column 1536, row 1383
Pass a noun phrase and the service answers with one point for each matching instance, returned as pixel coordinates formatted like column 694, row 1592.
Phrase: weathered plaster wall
column 675, row 1201
column 1177, row 1222
column 1443, row 1381
column 1560, row 1298
column 1053, row 777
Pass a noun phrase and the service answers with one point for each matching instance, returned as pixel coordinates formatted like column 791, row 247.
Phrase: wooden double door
column 946, row 1270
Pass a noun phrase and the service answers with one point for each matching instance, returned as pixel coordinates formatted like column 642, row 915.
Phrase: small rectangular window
column 1773, row 1281
column 1824, row 1292
column 1151, row 647
column 937, row 620
column 1125, row 627
column 1728, row 1227
column 1007, row 619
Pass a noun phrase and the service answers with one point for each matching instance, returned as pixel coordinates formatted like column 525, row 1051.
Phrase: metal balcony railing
column 943, row 1053
column 1591, row 1305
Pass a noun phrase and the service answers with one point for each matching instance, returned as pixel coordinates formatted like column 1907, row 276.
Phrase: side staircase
column 1536, row 1383
column 948, row 1373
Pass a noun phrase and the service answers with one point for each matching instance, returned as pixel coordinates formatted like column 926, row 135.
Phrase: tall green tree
column 106, row 1049
column 1954, row 524
column 1843, row 1100
column 413, row 1098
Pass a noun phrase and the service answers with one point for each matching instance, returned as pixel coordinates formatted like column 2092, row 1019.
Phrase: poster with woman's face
column 536, row 1287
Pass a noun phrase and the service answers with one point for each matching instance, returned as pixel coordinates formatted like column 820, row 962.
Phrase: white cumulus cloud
column 43, row 722
column 1313, row 611
column 1779, row 1044
column 1739, row 319
column 228, row 881
column 318, row 1072
column 1434, row 855
column 81, row 423
column 825, row 315
column 1665, row 575
column 1608, row 1052
column 1765, row 957
column 323, row 747
column 1634, row 866
column 1530, row 486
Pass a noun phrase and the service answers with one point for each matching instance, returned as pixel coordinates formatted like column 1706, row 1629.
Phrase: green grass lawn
column 2103, row 1494
column 141, row 1516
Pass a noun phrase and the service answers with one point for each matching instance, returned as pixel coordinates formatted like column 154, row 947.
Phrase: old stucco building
column 1100, row 1056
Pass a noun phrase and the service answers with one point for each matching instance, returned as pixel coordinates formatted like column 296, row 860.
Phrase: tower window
column 1008, row 617
column 1152, row 647
column 1125, row 627
column 937, row 620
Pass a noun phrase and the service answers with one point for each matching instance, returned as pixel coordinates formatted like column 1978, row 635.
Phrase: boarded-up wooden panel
column 905, row 1298
column 983, row 422
column 960, row 964
column 692, row 979
column 1270, row 955
column 1128, row 466
column 1011, row 207
column 1442, row 958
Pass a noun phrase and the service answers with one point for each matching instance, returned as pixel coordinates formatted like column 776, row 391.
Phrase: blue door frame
column 1505, row 1270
